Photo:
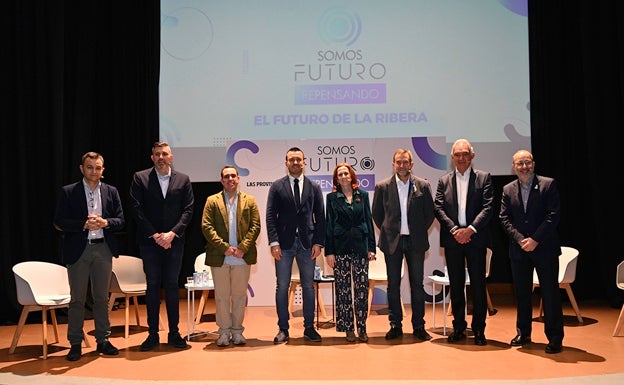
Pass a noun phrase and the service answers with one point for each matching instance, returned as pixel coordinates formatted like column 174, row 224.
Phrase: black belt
column 95, row 240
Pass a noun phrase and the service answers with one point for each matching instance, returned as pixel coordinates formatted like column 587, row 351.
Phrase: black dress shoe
column 394, row 332
column 456, row 336
column 312, row 335
column 176, row 340
column 281, row 337
column 421, row 334
column 75, row 352
column 553, row 348
column 479, row 338
column 107, row 349
column 520, row 340
column 150, row 342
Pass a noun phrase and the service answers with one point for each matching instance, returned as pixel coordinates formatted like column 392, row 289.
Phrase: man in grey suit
column 529, row 213
column 463, row 206
column 295, row 221
column 162, row 202
column 403, row 211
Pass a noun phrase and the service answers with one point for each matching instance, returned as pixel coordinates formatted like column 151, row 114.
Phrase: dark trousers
column 547, row 267
column 162, row 269
column 457, row 260
column 415, row 268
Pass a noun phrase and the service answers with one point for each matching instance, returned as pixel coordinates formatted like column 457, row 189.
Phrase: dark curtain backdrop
column 83, row 75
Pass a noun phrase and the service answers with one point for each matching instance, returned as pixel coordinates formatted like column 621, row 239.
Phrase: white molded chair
column 200, row 265
column 377, row 275
column 567, row 274
column 41, row 286
column 295, row 281
column 619, row 282
column 127, row 280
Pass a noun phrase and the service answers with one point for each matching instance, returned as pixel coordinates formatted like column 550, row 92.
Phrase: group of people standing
column 299, row 225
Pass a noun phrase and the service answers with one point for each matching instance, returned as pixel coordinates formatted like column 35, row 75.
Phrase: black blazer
column 349, row 228
column 155, row 214
column 387, row 214
column 540, row 219
column 478, row 207
column 71, row 214
column 284, row 221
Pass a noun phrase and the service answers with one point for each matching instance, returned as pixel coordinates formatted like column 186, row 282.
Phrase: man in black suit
column 463, row 206
column 530, row 212
column 162, row 202
column 403, row 211
column 88, row 214
column 295, row 221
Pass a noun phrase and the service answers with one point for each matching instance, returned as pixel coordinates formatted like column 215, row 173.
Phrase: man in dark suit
column 530, row 212
column 463, row 206
column 403, row 211
column 162, row 202
column 88, row 214
column 295, row 221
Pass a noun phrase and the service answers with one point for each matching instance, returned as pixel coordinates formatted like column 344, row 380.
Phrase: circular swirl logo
column 367, row 163
column 339, row 25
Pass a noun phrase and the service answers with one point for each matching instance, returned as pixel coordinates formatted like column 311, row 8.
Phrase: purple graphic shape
column 340, row 94
column 367, row 182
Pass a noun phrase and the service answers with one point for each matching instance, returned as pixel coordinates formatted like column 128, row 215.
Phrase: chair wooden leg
column 291, row 297
column 44, row 330
column 620, row 322
column 568, row 289
column 449, row 312
column 54, row 325
column 136, row 309
column 201, row 307
column 371, row 290
column 127, row 318
column 20, row 328
column 111, row 300
column 85, row 339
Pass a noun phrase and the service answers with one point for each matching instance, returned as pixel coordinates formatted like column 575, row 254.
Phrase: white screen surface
column 280, row 70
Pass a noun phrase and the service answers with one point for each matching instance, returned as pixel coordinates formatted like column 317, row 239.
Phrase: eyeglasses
column 521, row 163
column 91, row 200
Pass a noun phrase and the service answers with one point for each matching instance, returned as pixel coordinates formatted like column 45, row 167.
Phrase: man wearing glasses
column 88, row 214
column 529, row 214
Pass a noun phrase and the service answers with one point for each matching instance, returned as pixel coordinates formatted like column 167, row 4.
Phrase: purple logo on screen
column 339, row 25
column 240, row 145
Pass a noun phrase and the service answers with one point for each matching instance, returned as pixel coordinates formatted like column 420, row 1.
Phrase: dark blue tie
column 297, row 194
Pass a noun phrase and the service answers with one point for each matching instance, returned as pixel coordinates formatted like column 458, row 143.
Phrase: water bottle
column 204, row 278
column 197, row 279
column 317, row 272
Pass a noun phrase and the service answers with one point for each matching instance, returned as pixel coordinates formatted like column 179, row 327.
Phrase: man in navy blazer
column 162, row 202
column 88, row 213
column 463, row 206
column 403, row 211
column 296, row 229
column 529, row 214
